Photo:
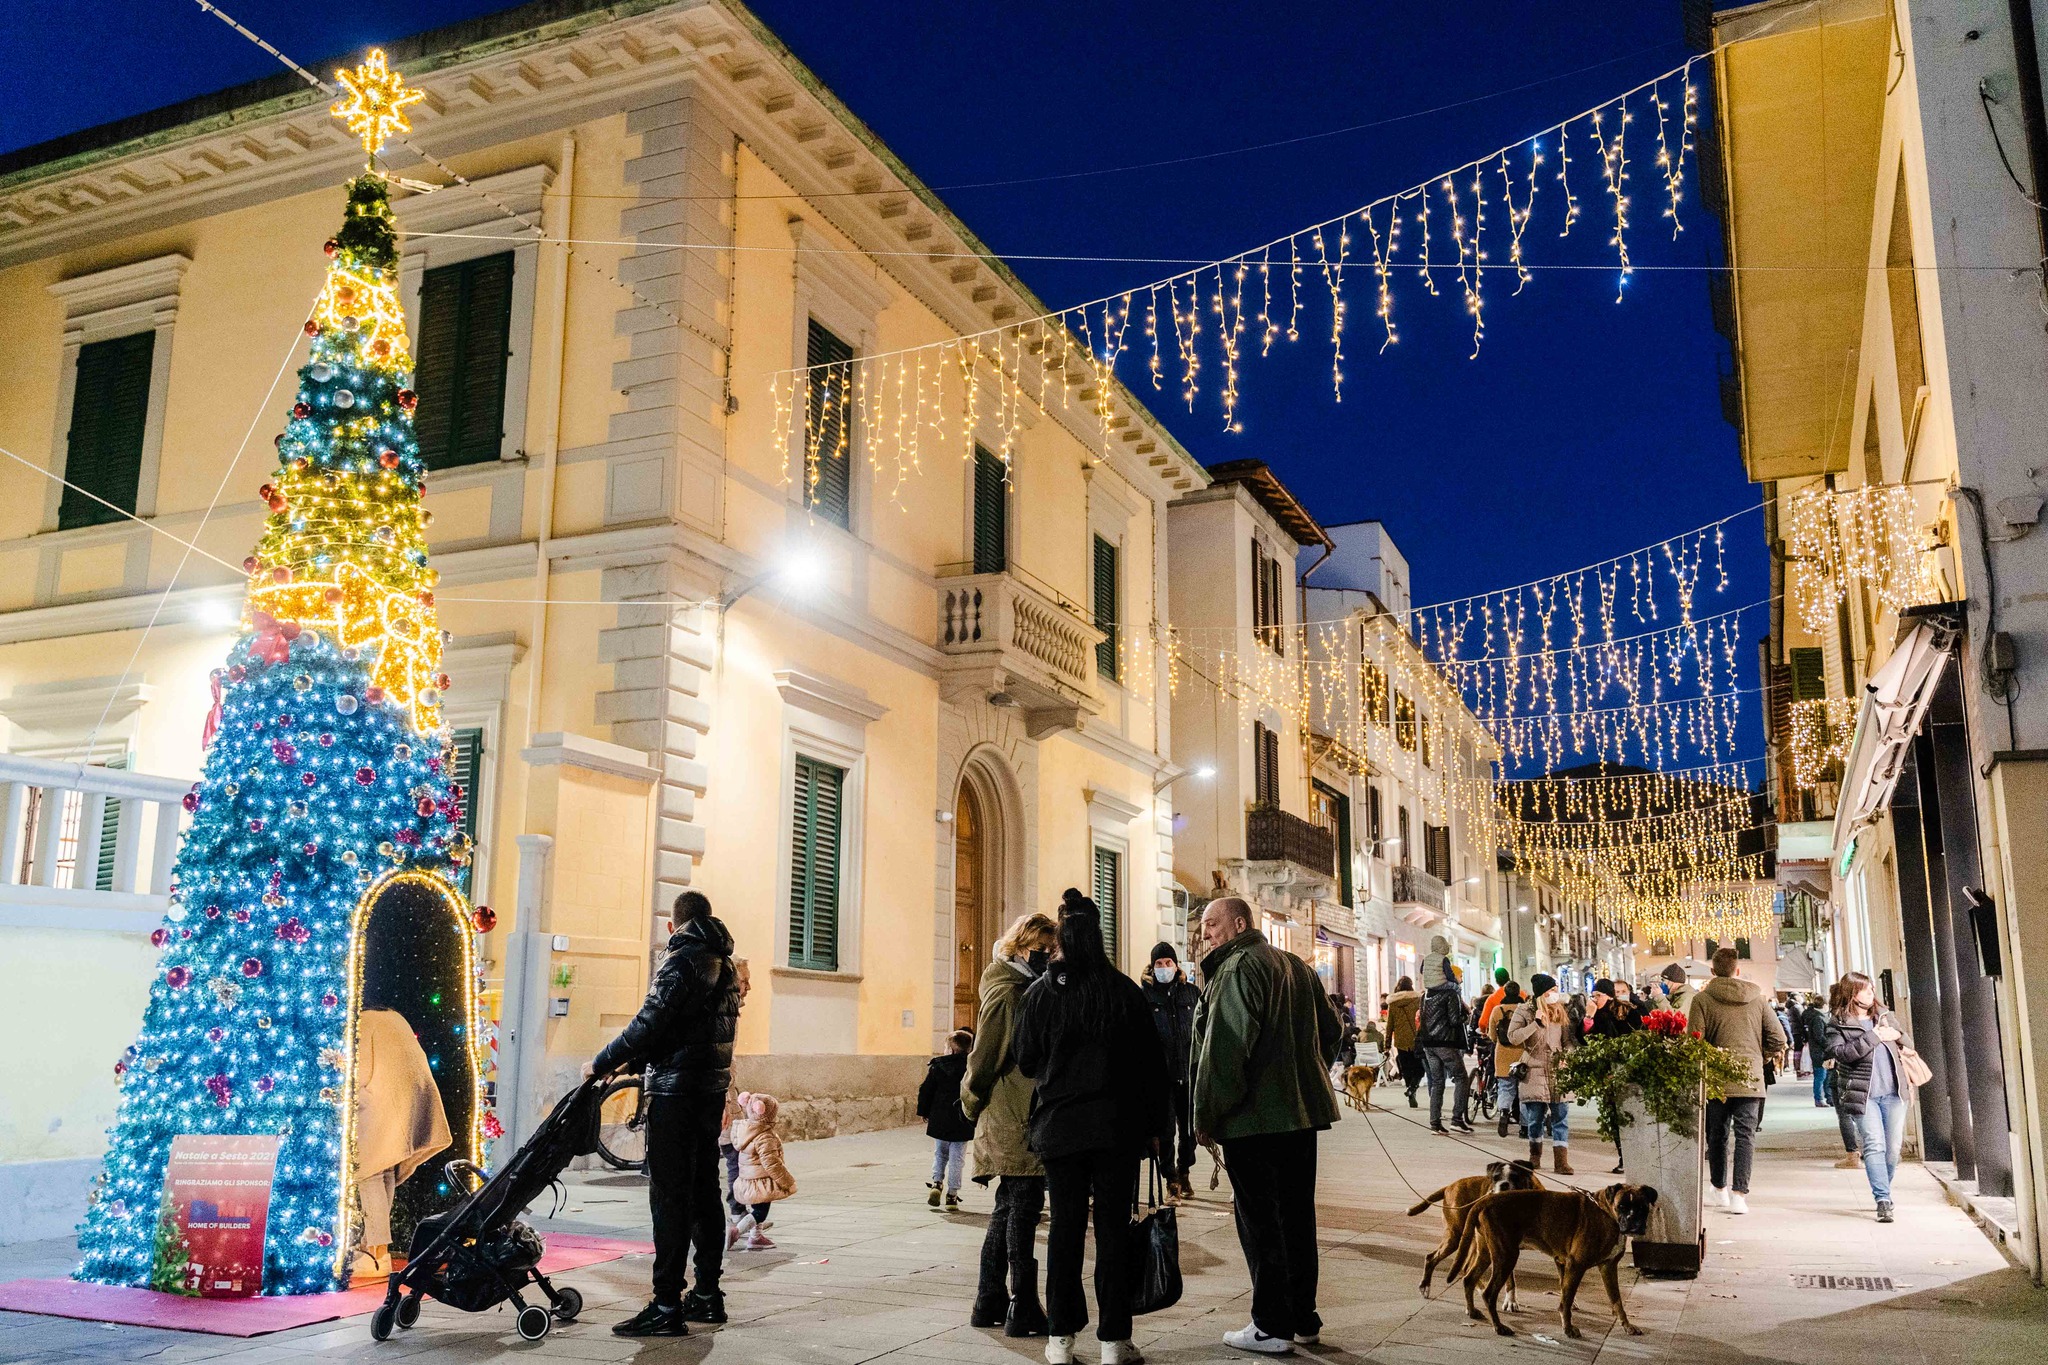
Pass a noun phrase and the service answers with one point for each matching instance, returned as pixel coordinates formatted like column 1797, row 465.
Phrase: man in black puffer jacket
column 683, row 1036
column 1441, row 1037
column 1173, row 999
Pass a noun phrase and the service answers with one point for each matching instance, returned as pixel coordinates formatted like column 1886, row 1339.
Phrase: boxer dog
column 1457, row 1199
column 1580, row 1232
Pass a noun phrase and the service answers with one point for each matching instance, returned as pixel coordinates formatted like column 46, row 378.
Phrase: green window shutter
column 1808, row 674
column 815, row 823
column 829, row 437
column 991, row 513
column 468, row 767
column 110, row 833
column 459, row 369
column 1108, row 886
column 109, row 412
column 1105, row 607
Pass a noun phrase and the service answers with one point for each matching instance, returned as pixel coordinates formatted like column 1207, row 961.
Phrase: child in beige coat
column 762, row 1177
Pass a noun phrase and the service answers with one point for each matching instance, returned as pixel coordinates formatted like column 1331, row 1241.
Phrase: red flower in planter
column 1669, row 1023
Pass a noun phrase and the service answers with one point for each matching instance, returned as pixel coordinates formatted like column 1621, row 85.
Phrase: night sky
column 1584, row 428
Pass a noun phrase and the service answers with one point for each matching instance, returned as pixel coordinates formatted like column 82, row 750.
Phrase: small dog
column 1580, row 1231
column 1458, row 1199
column 1358, row 1084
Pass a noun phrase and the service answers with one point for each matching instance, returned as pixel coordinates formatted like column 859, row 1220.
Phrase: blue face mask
column 1164, row 974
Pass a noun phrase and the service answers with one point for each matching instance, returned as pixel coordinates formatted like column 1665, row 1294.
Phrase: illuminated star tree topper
column 377, row 100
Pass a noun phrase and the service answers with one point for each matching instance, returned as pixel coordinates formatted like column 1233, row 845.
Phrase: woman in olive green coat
column 997, row 1097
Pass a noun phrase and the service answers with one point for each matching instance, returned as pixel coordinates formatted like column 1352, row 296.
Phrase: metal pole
column 1960, row 1126
column 1923, row 981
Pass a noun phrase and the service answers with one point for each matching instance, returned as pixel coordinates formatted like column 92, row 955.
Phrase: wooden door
column 970, row 906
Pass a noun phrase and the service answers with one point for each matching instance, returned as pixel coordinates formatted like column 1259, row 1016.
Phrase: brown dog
column 1358, row 1084
column 1580, row 1231
column 1458, row 1198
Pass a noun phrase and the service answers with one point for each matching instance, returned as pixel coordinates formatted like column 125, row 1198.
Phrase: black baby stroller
column 478, row 1254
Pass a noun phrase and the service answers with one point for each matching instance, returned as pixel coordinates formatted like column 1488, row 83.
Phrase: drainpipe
column 2027, row 71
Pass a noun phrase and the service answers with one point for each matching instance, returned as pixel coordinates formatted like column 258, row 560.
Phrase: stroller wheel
column 568, row 1303
column 534, row 1322
column 382, row 1320
column 408, row 1310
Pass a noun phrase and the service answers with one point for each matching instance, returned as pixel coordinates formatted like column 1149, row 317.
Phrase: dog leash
column 1462, row 1141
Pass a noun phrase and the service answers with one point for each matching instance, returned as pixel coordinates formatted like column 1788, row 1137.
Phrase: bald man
column 1265, row 1038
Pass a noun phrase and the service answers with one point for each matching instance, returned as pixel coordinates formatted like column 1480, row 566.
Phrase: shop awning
column 1894, row 703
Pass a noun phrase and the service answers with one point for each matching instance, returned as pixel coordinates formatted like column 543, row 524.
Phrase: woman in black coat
column 1103, row 1101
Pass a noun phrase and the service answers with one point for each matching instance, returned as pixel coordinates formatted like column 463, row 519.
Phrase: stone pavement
column 866, row 1271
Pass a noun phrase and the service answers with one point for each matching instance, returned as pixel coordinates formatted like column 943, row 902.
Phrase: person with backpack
column 1441, row 1039
column 938, row 1104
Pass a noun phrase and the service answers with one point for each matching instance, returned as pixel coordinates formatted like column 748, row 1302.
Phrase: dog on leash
column 1458, row 1199
column 1581, row 1232
column 1358, row 1084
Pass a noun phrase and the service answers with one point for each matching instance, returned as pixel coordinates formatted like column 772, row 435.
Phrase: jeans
column 947, row 1159
column 1820, row 1084
column 1741, row 1115
column 1006, row 1249
column 1179, row 1163
column 1273, row 1184
column 1443, row 1063
column 683, row 1192
column 1507, row 1094
column 1881, row 1127
column 1551, row 1118
column 1108, row 1180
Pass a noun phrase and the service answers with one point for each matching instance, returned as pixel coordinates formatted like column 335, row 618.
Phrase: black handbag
column 1154, row 1254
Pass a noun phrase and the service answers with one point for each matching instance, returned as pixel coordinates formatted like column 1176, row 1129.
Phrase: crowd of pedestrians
column 1075, row 1074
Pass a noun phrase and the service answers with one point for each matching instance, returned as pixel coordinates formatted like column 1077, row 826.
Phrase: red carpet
column 254, row 1317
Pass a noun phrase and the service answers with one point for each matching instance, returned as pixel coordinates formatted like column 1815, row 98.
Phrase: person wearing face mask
column 1172, row 998
column 996, row 1097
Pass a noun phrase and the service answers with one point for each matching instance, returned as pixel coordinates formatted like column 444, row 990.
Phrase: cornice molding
column 561, row 748
column 825, row 697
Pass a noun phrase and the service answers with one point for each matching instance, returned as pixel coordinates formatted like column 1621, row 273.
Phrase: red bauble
column 252, row 967
column 236, row 673
column 330, row 246
column 307, row 779
column 365, row 776
column 191, row 801
column 388, row 458
column 407, row 399
column 249, row 564
column 484, row 918
column 312, row 328
column 177, row 978
column 425, row 807
column 281, row 574
column 373, row 694
column 159, row 937
column 329, row 1001
column 301, row 410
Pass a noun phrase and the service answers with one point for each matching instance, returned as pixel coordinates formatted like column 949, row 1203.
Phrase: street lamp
column 1201, row 773
column 800, row 570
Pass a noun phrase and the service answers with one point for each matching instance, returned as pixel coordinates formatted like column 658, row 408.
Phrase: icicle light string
column 1195, row 319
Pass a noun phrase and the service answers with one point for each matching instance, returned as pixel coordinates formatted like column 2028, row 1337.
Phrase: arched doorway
column 413, row 952
column 973, row 915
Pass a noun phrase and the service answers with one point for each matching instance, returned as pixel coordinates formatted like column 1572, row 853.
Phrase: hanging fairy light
column 1822, row 728
column 1837, row 540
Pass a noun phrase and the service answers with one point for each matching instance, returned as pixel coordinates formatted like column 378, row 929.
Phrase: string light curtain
column 1837, row 541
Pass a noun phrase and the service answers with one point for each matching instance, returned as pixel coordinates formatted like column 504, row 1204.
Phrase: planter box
column 1673, row 1164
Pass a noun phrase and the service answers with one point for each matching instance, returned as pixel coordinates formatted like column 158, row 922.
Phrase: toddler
column 938, row 1104
column 762, row 1177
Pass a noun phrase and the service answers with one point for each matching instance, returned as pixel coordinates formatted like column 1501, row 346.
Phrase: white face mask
column 1164, row 974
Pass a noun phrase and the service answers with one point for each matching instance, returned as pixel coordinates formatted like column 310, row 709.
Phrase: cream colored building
column 874, row 720
column 1885, row 314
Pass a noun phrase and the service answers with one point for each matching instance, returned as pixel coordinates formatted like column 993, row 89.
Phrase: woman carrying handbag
column 1876, row 1071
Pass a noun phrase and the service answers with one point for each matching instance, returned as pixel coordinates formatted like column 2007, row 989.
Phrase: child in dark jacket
column 938, row 1104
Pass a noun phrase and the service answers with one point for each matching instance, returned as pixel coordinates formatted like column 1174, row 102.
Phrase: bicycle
column 622, row 1125
column 1483, row 1091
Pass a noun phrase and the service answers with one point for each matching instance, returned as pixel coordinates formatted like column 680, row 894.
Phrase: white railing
column 57, row 821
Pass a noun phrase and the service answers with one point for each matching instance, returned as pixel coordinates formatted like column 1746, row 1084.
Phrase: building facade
column 1885, row 389
column 873, row 716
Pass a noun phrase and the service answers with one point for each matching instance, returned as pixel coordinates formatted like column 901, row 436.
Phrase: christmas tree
column 325, row 798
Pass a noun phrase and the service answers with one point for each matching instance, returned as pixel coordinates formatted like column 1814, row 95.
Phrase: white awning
column 1894, row 703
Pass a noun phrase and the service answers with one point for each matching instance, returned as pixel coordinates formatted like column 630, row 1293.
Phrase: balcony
column 85, row 847
column 1418, row 896
column 1274, row 836
column 1012, row 642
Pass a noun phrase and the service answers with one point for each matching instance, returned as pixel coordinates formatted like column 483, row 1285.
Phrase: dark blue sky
column 1584, row 427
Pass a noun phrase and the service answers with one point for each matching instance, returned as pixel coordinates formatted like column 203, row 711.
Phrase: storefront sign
column 216, row 1203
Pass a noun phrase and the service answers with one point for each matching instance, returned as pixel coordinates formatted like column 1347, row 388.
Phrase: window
column 1428, row 733
column 1404, row 721
column 1374, row 829
column 1267, row 615
column 1436, row 851
column 1742, row 948
column 828, row 453
column 1407, row 843
column 814, row 865
column 1105, row 607
column 468, row 766
column 465, row 336
column 1109, row 880
column 1808, row 674
column 991, row 513
column 109, row 412
column 1265, row 767
column 1902, row 290
column 1331, row 809
column 1373, row 697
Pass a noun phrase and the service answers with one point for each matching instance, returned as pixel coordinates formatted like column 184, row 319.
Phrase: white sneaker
column 1059, row 1351
column 1250, row 1338
column 1308, row 1338
column 1121, row 1353
column 1719, row 1197
column 756, row 1240
column 1738, row 1202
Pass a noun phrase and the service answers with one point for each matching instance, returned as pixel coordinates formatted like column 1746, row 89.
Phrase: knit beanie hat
column 1165, row 950
column 1672, row 972
column 1604, row 986
column 1540, row 985
column 1500, row 976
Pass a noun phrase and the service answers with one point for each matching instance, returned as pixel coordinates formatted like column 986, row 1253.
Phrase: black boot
column 657, row 1319
column 1502, row 1126
column 1027, row 1315
column 991, row 1303
column 699, row 1306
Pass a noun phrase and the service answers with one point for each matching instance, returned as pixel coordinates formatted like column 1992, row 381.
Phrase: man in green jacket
column 1265, row 1039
